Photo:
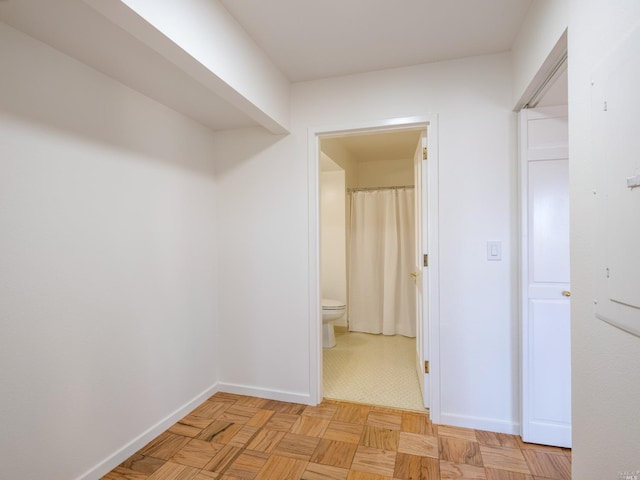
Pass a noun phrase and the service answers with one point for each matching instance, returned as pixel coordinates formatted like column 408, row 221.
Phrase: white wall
column 108, row 288
column 541, row 29
column 606, row 377
column 333, row 238
column 265, row 239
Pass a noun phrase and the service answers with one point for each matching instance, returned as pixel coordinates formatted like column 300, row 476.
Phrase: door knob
column 566, row 293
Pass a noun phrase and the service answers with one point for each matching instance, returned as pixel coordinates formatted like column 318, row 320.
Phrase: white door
column 546, row 342
column 419, row 274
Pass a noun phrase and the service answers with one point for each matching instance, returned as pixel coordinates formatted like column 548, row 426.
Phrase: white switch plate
column 494, row 250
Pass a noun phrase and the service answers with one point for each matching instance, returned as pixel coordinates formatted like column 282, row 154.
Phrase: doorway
column 427, row 322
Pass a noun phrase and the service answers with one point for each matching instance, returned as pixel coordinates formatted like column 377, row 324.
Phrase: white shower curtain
column 381, row 290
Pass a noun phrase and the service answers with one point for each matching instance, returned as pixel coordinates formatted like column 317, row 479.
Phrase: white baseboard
column 141, row 440
column 480, row 423
column 304, row 399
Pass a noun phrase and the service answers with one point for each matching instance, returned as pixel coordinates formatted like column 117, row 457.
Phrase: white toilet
column 332, row 310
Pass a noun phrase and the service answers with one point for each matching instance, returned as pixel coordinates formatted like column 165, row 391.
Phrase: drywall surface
column 543, row 26
column 606, row 378
column 385, row 173
column 264, row 245
column 108, row 280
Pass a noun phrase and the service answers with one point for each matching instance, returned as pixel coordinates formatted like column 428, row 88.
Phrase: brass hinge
column 426, row 260
column 426, row 366
column 424, row 153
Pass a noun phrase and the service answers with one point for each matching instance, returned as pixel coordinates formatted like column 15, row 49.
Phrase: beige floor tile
column 460, row 471
column 334, row 453
column 504, row 458
column 377, row 437
column 457, row 450
column 282, row 468
column 374, row 460
column 300, row 447
column 316, row 471
column 344, row 432
column 416, row 444
column 548, row 464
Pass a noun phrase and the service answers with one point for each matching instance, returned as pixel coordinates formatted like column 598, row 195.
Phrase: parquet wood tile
column 281, row 421
column 374, row 460
column 461, row 471
column 311, row 426
column 282, row 468
column 334, row 453
column 377, row 437
column 235, row 437
column 457, row 432
column 197, row 453
column 296, row 446
column 247, row 465
column 219, row 432
column 352, row 413
column 504, row 458
column 417, row 423
column 165, row 446
column 173, row 471
column 416, row 444
column 495, row 474
column 142, row 464
column 316, row 471
column 266, row 440
column 384, row 419
column 413, row 467
column 548, row 464
column 459, row 451
column 344, row 432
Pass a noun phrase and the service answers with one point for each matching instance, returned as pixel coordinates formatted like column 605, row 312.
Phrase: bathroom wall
column 385, row 173
column 333, row 233
column 108, row 274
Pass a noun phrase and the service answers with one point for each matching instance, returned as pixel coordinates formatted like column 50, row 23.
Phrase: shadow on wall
column 68, row 96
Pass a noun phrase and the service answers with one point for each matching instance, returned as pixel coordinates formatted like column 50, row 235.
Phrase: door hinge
column 426, row 260
column 426, row 366
column 424, row 153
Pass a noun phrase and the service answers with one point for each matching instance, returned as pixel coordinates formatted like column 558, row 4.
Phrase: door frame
column 432, row 312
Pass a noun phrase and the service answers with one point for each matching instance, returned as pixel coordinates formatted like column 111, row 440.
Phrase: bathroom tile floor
column 373, row 369
column 235, row 437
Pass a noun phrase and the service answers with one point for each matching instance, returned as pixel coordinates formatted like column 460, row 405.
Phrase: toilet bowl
column 332, row 310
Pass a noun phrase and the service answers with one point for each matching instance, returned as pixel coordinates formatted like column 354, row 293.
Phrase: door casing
column 432, row 327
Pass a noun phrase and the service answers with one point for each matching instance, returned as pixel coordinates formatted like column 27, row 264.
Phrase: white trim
column 270, row 394
column 120, row 455
column 429, row 122
column 481, row 423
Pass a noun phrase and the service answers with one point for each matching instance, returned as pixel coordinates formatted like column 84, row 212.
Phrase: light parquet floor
column 234, row 437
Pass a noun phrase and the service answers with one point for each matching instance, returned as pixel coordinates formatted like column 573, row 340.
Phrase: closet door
column 546, row 344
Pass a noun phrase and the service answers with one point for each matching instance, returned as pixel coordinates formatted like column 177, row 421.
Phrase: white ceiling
column 323, row 38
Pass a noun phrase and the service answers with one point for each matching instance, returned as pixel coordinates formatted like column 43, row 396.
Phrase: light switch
column 494, row 250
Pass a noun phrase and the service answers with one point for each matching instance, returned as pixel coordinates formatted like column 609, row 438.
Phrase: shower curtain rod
column 369, row 189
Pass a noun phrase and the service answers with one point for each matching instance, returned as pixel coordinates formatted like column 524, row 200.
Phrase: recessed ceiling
column 311, row 40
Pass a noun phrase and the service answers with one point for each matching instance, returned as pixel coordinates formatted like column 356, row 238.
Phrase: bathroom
column 366, row 359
